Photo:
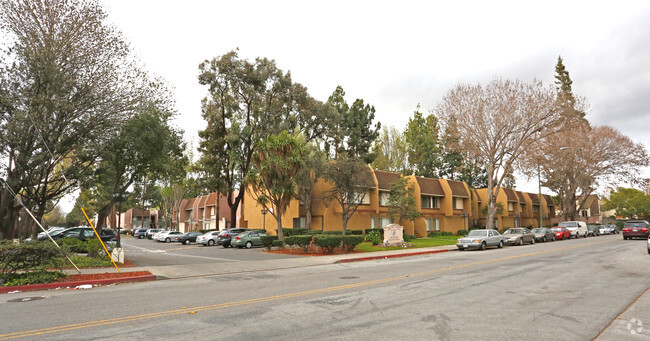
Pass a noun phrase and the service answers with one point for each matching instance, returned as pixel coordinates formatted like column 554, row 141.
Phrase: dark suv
column 226, row 235
column 636, row 229
column 85, row 233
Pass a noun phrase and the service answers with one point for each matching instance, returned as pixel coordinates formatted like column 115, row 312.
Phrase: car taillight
column 237, row 238
column 225, row 235
column 626, row 230
column 644, row 230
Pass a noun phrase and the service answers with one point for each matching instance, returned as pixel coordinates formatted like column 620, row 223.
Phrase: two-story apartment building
column 208, row 212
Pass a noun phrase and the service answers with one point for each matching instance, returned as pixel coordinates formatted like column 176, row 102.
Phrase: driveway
column 145, row 252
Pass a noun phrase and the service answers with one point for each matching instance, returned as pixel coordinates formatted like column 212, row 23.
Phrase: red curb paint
column 349, row 260
column 34, row 287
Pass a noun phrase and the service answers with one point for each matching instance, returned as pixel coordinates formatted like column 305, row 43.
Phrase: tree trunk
column 307, row 202
column 218, row 214
column 8, row 214
column 278, row 219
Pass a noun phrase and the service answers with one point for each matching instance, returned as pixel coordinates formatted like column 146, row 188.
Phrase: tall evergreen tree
column 423, row 148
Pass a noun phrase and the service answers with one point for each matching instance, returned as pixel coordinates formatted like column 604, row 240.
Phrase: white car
column 578, row 228
column 50, row 231
column 209, row 238
column 167, row 236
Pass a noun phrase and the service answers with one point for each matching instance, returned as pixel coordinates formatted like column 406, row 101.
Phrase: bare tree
column 578, row 162
column 497, row 122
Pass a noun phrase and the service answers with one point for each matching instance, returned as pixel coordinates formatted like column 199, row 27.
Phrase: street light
column 264, row 212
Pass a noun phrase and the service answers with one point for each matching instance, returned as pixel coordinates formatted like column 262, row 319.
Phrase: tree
column 401, row 201
column 390, row 151
column 496, row 123
column 146, row 150
column 424, row 152
column 67, row 82
column 277, row 161
column 576, row 167
column 350, row 179
column 247, row 102
column 628, row 202
column 314, row 163
column 355, row 133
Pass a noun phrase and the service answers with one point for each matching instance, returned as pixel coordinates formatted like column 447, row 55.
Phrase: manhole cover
column 27, row 299
column 348, row 277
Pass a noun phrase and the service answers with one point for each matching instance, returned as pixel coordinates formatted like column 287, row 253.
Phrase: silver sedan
column 480, row 239
column 519, row 236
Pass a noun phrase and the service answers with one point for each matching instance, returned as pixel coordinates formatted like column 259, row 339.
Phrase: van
column 578, row 228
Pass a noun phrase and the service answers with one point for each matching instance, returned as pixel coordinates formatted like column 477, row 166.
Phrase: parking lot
column 145, row 252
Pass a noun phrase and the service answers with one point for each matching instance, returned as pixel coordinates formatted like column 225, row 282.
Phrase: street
column 564, row 290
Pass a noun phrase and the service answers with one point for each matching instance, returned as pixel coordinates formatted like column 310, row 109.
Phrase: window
column 207, row 226
column 433, row 224
column 212, row 211
column 511, row 207
column 458, row 203
column 380, row 222
column 299, row 223
column 535, row 208
column 360, row 198
column 383, row 198
column 429, row 201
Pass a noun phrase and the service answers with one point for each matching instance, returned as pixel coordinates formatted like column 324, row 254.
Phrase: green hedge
column 328, row 242
column 381, row 232
column 301, row 241
column 33, row 277
column 409, row 237
column 27, row 256
column 268, row 241
column 350, row 242
column 437, row 233
column 462, row 232
column 293, row 232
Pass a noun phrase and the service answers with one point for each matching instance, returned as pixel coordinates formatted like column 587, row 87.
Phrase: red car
column 636, row 229
column 561, row 232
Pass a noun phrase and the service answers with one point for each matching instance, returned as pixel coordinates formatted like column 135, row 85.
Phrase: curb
column 350, row 260
column 34, row 287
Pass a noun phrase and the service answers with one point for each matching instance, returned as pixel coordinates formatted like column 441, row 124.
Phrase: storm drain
column 27, row 299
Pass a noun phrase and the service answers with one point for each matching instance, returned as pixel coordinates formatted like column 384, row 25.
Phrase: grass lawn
column 417, row 243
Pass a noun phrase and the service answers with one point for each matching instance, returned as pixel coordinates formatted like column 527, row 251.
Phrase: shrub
column 462, row 232
column 327, row 242
column 301, row 241
column 25, row 256
column 433, row 234
column 293, row 232
column 374, row 236
column 268, row 241
column 381, row 232
column 277, row 243
column 355, row 232
column 73, row 245
column 446, row 233
column 409, row 237
column 350, row 242
column 33, row 277
column 337, row 233
column 313, row 232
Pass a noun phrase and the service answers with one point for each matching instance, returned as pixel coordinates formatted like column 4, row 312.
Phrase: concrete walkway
column 632, row 324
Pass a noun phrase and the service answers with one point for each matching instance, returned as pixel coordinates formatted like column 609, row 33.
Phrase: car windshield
column 636, row 224
column 514, row 231
column 538, row 231
column 477, row 233
column 556, row 229
column 569, row 224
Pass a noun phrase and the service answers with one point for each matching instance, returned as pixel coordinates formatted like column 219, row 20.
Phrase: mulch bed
column 312, row 251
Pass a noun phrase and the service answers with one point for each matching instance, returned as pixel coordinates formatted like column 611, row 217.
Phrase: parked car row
column 482, row 239
column 233, row 237
column 80, row 232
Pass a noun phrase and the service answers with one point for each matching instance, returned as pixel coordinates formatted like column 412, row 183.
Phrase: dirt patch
column 106, row 275
column 312, row 251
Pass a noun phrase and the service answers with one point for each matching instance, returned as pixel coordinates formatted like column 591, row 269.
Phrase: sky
column 398, row 54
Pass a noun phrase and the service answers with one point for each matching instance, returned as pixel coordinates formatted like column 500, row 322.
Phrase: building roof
column 458, row 189
column 430, row 186
column 534, row 198
column 212, row 199
column 478, row 198
column 385, row 179
column 202, row 201
column 190, row 204
column 521, row 197
column 510, row 194
column 549, row 200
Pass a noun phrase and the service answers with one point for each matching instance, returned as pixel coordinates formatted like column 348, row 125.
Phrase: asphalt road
column 565, row 290
column 145, row 252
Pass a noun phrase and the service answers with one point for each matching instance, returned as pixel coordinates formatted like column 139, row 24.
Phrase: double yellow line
column 271, row 298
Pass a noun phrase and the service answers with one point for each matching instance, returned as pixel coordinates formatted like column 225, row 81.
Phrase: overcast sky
column 398, row 54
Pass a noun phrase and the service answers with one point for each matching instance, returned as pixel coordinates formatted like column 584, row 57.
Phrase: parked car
column 519, row 236
column 248, row 239
column 151, row 232
column 50, row 230
column 649, row 245
column 226, row 235
column 168, row 236
column 593, row 230
column 636, row 229
column 480, row 239
column 608, row 229
column 578, row 228
column 84, row 233
column 561, row 232
column 189, row 237
column 140, row 233
column 208, row 238
column 543, row 234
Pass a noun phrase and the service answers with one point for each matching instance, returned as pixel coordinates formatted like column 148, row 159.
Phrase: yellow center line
column 274, row 298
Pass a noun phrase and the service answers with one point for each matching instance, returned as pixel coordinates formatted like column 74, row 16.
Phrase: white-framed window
column 213, row 210
column 458, row 203
column 383, row 198
column 429, row 201
column 433, row 224
column 360, row 198
column 535, row 208
column 511, row 207
column 380, row 222
column 207, row 226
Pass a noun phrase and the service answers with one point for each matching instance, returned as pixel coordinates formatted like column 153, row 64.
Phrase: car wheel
column 210, row 242
column 224, row 246
column 239, row 246
column 624, row 238
column 532, row 241
column 585, row 236
column 482, row 247
column 249, row 245
column 167, row 240
column 500, row 244
column 521, row 241
column 544, row 240
column 460, row 248
column 140, row 236
column 553, row 239
column 186, row 242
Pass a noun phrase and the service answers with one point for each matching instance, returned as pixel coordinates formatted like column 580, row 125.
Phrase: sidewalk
column 207, row 269
column 632, row 324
